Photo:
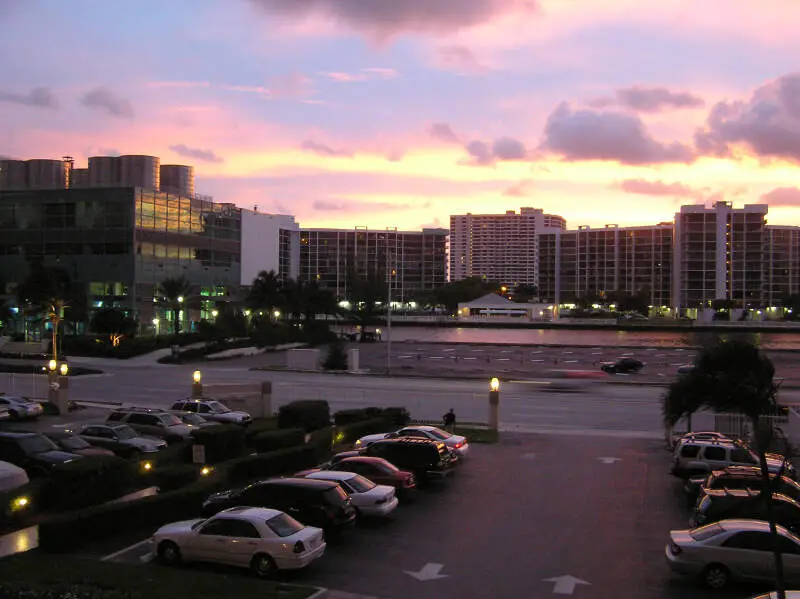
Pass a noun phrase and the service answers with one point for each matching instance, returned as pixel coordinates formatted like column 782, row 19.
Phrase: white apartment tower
column 720, row 254
column 500, row 247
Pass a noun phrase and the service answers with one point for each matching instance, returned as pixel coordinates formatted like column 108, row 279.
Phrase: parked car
column 732, row 551
column 694, row 458
column 740, row 477
column 338, row 457
column 5, row 414
column 12, row 477
column 685, row 368
column 21, row 408
column 622, row 366
column 428, row 460
column 378, row 471
column 264, row 540
column 319, row 503
column 774, row 595
column 122, row 440
column 68, row 441
column 700, row 436
column 153, row 422
column 211, row 409
column 456, row 443
column 369, row 499
column 33, row 452
column 724, row 504
column 193, row 419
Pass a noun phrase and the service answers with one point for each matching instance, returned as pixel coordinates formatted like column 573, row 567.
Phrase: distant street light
column 197, row 376
column 64, row 369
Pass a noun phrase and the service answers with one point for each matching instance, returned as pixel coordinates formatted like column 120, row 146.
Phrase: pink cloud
column 649, row 99
column 767, row 125
column 656, row 188
column 782, row 196
column 607, row 135
column 460, row 59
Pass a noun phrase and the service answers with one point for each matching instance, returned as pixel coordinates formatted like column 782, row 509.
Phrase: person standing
column 449, row 420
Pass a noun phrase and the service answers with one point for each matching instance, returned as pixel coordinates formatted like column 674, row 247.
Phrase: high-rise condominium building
column 500, row 247
column 782, row 264
column 342, row 260
column 721, row 254
column 607, row 260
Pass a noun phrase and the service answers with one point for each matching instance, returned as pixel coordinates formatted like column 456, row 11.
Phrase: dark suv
column 623, row 366
column 319, row 503
column 723, row 504
column 33, row 452
column 741, row 477
column 426, row 459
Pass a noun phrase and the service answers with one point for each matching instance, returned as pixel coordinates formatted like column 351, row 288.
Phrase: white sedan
column 455, row 443
column 21, row 408
column 368, row 498
column 261, row 539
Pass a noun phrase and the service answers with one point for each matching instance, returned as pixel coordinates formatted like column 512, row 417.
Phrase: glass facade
column 120, row 243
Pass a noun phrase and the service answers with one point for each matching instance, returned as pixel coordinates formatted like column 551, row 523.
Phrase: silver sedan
column 732, row 550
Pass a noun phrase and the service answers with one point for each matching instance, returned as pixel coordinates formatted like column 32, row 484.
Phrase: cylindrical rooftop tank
column 177, row 179
column 79, row 177
column 140, row 171
column 104, row 171
column 47, row 174
column 13, row 175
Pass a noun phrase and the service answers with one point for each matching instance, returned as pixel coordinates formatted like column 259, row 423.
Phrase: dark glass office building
column 120, row 243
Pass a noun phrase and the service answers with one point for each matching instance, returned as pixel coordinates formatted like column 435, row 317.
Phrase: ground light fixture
column 206, row 471
column 197, row 376
column 64, row 369
column 52, row 365
column 147, row 466
column 20, row 503
column 494, row 384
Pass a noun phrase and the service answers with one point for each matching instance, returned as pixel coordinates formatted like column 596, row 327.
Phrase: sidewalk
column 150, row 359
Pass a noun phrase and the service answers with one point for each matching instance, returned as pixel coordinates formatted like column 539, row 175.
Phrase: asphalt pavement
column 533, row 516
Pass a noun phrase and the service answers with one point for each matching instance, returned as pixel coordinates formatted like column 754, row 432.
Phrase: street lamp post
column 197, row 384
column 391, row 272
column 494, row 403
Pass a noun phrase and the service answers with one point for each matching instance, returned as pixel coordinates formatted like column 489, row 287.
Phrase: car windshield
column 217, row 407
column 192, row 419
column 74, row 443
column 197, row 525
column 439, row 434
column 170, row 420
column 36, row 444
column 704, row 533
column 359, row 484
column 387, row 466
column 284, row 525
column 125, row 433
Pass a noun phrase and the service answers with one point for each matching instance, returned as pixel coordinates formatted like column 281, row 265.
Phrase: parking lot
column 533, row 516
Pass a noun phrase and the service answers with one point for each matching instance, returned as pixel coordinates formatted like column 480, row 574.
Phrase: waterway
column 590, row 338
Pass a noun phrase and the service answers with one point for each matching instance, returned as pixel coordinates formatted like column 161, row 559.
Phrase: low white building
column 497, row 306
column 269, row 242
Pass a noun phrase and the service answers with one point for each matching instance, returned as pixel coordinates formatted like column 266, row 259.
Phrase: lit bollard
column 197, row 385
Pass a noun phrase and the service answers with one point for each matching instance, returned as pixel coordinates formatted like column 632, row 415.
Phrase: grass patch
column 476, row 434
column 33, row 575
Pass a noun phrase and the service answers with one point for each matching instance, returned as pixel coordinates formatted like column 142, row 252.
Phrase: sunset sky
column 398, row 113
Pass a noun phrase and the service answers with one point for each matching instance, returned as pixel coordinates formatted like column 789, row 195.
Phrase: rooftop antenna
column 255, row 207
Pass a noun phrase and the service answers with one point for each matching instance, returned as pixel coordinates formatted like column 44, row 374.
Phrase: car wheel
column 716, row 576
column 264, row 566
column 169, row 554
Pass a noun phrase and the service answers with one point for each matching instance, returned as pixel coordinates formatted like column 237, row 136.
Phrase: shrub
column 336, row 359
column 349, row 433
column 400, row 417
column 274, row 463
column 343, row 417
column 177, row 453
column 321, row 442
column 259, row 425
column 85, row 482
column 68, row 531
column 309, row 415
column 278, row 439
column 174, row 477
column 223, row 442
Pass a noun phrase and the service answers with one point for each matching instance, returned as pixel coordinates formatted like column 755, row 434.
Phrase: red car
column 377, row 470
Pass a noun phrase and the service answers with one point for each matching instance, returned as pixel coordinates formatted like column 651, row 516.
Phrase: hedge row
column 349, row 433
column 399, row 417
column 307, row 414
column 69, row 531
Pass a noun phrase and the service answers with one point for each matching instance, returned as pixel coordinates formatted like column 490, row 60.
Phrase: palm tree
column 733, row 376
column 264, row 292
column 174, row 291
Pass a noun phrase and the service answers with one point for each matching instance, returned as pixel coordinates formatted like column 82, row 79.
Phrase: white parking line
column 133, row 547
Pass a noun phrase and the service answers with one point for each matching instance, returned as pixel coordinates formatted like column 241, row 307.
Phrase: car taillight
column 675, row 548
column 299, row 547
column 459, row 444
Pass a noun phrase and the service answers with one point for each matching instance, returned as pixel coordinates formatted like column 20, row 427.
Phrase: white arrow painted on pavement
column 428, row 572
column 609, row 460
column 565, row 585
